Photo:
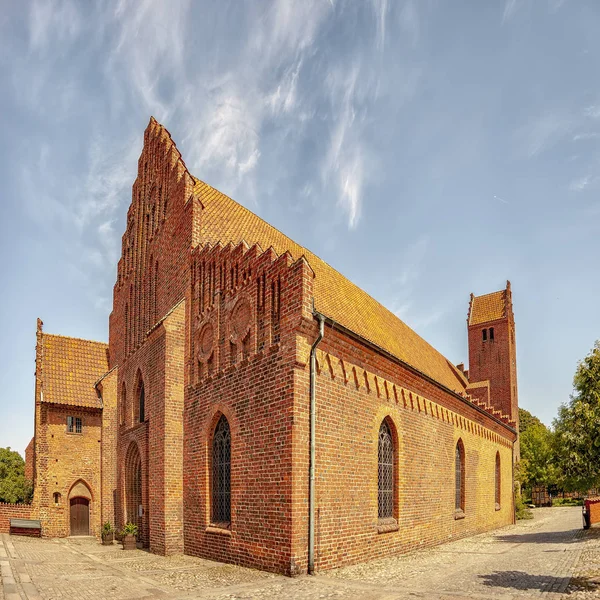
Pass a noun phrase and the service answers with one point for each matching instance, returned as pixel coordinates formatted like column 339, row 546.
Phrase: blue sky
column 425, row 149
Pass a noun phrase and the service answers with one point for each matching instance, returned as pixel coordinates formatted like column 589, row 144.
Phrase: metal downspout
column 313, row 423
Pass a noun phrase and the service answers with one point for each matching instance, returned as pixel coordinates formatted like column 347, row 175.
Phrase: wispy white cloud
column 409, row 21
column 592, row 111
column 544, row 132
column 59, row 22
column 380, row 10
column 588, row 135
column 583, row 183
column 510, row 8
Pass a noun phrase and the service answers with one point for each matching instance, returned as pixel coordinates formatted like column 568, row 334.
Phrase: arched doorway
column 80, row 516
column 80, row 498
column 133, row 488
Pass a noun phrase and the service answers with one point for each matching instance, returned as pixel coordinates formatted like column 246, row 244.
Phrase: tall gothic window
column 459, row 482
column 498, row 481
column 123, row 405
column 221, row 473
column 385, row 474
column 142, row 401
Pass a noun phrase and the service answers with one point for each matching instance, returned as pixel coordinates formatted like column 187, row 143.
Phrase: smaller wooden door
column 80, row 516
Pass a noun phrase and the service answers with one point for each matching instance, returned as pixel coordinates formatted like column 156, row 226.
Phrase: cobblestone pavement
column 550, row 556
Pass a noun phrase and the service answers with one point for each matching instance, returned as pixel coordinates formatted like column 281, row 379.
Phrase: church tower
column 492, row 349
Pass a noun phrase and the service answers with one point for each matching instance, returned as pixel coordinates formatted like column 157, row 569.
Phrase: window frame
column 498, row 482
column 220, row 489
column 386, row 483
column 459, row 480
column 74, row 425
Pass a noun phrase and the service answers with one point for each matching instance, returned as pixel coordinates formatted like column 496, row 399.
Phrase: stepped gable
column 488, row 307
column 70, row 368
column 225, row 221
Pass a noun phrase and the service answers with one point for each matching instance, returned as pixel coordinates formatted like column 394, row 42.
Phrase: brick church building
column 254, row 406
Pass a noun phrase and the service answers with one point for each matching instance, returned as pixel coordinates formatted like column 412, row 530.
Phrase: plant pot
column 107, row 539
column 129, row 542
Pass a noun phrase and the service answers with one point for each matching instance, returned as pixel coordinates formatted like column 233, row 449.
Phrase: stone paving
column 549, row 556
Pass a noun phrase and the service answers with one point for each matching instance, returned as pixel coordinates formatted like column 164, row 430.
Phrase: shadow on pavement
column 519, row 580
column 569, row 536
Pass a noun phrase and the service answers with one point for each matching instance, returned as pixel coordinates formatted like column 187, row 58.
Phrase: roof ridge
column 309, row 255
column 490, row 294
column 70, row 337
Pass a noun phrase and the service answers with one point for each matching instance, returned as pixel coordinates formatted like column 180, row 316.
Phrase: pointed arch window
column 221, row 473
column 498, row 481
column 385, row 472
column 123, row 405
column 459, row 481
column 141, row 401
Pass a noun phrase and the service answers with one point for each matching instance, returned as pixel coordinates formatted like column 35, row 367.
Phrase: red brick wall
column 162, row 227
column 159, row 362
column 67, row 458
column 29, row 459
column 13, row 511
column 593, row 506
column 356, row 390
column 243, row 351
column 108, row 390
column 496, row 360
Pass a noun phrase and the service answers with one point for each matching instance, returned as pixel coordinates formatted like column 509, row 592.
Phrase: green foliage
column 130, row 529
column 567, row 502
column 107, row 528
column 526, row 420
column 14, row 488
column 521, row 510
column 577, row 427
column 537, row 465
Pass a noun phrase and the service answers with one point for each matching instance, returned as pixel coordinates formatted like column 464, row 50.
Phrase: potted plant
column 129, row 533
column 108, row 534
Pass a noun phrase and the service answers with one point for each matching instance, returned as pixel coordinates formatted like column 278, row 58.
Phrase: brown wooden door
column 80, row 516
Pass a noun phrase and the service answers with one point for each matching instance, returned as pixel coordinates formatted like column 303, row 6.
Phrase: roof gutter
column 313, row 423
column 414, row 370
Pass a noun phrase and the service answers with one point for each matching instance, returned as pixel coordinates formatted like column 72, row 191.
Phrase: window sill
column 219, row 529
column 497, row 506
column 459, row 514
column 387, row 525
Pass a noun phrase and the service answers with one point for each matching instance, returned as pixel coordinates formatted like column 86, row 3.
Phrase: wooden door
column 80, row 516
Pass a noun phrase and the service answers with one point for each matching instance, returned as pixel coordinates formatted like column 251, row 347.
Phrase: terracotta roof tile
column 488, row 307
column 224, row 220
column 70, row 368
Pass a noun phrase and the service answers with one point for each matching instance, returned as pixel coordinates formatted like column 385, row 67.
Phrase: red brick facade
column 213, row 318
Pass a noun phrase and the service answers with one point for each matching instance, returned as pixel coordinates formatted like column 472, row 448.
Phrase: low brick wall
column 13, row 511
column 592, row 507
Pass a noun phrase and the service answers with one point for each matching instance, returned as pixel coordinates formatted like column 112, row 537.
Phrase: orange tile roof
column 224, row 220
column 70, row 368
column 488, row 307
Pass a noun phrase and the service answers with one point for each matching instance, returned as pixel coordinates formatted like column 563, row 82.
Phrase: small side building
column 68, row 434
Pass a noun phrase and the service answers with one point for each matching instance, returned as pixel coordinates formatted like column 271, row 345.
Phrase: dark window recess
column 484, row 335
column 491, row 333
column 385, row 475
column 221, row 473
column 498, row 481
column 74, row 425
column 459, row 485
column 142, row 402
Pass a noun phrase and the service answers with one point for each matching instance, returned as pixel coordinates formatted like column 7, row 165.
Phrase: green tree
column 577, row 427
column 537, row 466
column 14, row 487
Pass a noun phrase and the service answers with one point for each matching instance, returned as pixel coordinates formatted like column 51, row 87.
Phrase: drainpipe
column 311, row 484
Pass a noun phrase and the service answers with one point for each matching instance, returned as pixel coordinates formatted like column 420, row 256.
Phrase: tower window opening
column 484, row 335
column 491, row 334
